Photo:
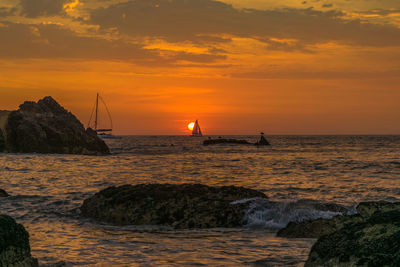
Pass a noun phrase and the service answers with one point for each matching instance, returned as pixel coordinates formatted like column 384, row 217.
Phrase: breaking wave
column 276, row 215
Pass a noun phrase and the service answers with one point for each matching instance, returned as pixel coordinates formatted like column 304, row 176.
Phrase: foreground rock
column 46, row 127
column 178, row 206
column 14, row 244
column 225, row 141
column 369, row 238
column 372, row 242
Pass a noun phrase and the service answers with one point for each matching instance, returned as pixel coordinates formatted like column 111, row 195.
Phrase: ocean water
column 296, row 173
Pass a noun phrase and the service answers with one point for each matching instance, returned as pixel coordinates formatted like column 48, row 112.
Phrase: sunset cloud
column 36, row 8
column 180, row 20
column 54, row 41
column 263, row 59
column 131, row 30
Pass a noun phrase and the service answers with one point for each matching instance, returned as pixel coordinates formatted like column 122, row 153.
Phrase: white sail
column 196, row 129
column 101, row 132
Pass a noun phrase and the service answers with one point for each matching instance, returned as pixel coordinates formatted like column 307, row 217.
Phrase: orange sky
column 297, row 67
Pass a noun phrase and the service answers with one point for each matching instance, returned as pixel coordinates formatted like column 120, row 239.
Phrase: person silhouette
column 263, row 141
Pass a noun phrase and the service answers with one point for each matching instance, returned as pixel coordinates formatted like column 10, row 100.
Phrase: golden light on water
column 190, row 126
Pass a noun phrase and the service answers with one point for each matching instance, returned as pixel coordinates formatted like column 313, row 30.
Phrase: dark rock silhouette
column 225, row 141
column 3, row 193
column 178, row 206
column 14, row 244
column 46, row 127
column 2, row 141
column 263, row 141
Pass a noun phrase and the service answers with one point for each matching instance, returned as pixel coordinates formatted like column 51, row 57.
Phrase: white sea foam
column 276, row 215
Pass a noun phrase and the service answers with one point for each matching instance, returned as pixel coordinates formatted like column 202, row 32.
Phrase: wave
column 276, row 215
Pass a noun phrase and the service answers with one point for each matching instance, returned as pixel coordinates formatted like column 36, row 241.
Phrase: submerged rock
column 3, row 193
column 320, row 227
column 316, row 228
column 46, row 127
column 179, row 206
column 366, row 209
column 225, row 141
column 14, row 244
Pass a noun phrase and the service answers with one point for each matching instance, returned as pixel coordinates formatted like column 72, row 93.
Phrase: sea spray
column 276, row 215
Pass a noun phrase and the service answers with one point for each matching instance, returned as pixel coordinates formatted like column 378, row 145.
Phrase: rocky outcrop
column 373, row 242
column 3, row 120
column 46, row 127
column 3, row 193
column 366, row 209
column 225, row 141
column 262, row 142
column 369, row 238
column 14, row 244
column 2, row 141
column 178, row 206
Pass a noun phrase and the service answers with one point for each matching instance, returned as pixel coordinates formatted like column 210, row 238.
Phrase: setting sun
column 190, row 126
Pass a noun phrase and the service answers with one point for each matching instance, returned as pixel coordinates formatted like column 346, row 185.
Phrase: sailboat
column 196, row 132
column 101, row 132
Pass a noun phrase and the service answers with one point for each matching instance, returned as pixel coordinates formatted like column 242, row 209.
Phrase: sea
column 295, row 173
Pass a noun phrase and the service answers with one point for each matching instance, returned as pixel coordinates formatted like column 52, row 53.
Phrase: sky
column 238, row 66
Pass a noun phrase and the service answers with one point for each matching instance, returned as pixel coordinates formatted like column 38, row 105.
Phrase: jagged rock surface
column 14, row 244
column 372, row 242
column 178, row 206
column 46, row 127
column 369, row 238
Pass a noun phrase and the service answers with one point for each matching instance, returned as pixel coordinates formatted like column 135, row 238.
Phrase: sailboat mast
column 97, row 105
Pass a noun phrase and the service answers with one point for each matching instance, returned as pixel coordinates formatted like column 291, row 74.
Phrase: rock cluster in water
column 225, row 141
column 369, row 238
column 262, row 142
column 178, row 206
column 14, row 244
column 46, row 127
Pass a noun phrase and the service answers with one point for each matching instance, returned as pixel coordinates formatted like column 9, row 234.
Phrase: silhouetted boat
column 196, row 132
column 101, row 132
